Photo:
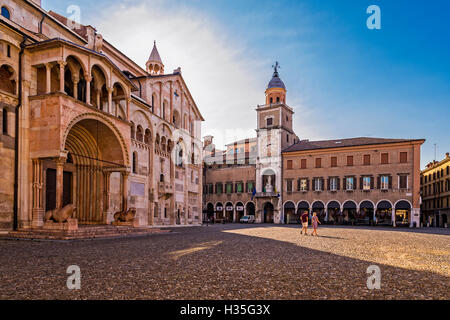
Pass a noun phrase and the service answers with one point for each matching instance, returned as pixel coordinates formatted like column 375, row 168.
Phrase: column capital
column 48, row 65
column 75, row 79
column 110, row 90
column 62, row 63
column 87, row 77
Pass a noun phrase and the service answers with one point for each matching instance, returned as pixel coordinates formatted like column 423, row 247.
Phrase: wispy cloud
column 226, row 82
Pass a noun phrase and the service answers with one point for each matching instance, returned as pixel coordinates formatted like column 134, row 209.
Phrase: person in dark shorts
column 304, row 218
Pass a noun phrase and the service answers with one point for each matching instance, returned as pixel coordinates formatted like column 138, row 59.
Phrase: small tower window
column 278, row 99
column 5, row 13
column 269, row 121
column 271, row 100
column 135, row 160
column 8, row 51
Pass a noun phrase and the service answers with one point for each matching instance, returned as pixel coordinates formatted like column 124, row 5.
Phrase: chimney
column 447, row 155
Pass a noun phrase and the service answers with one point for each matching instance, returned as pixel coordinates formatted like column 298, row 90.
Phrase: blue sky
column 343, row 79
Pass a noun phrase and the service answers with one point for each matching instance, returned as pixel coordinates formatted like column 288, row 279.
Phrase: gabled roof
column 342, row 143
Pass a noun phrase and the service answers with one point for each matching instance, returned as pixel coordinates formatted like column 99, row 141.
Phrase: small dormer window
column 5, row 13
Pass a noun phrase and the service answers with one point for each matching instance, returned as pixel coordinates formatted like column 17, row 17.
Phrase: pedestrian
column 304, row 218
column 315, row 223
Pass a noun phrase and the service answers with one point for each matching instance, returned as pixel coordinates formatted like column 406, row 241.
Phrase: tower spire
column 154, row 63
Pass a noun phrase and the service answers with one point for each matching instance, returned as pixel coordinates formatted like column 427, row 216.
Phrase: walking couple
column 314, row 221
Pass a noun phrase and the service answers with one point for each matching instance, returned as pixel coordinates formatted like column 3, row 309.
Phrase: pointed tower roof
column 276, row 82
column 154, row 56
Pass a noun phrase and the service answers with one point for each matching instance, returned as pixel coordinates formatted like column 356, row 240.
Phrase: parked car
column 247, row 219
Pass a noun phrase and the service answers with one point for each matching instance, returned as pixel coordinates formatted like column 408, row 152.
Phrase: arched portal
column 229, row 208
column 268, row 212
column 94, row 153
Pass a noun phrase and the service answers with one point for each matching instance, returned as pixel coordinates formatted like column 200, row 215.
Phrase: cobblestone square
column 234, row 262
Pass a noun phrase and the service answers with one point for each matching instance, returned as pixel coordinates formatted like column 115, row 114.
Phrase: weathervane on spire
column 276, row 66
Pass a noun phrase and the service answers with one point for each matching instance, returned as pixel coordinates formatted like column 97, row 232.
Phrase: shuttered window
column 318, row 162
column 384, row 158
column 367, row 159
column 303, row 164
column 333, row 162
column 403, row 157
column 289, row 164
column 349, row 161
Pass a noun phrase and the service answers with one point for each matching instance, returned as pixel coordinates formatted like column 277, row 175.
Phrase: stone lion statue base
column 126, row 218
column 61, row 219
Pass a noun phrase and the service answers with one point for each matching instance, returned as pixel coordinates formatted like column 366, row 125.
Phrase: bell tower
column 154, row 63
column 276, row 91
column 274, row 133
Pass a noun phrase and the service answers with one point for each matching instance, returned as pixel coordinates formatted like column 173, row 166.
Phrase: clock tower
column 274, row 134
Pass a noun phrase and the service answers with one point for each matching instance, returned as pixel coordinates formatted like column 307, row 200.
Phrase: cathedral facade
column 84, row 125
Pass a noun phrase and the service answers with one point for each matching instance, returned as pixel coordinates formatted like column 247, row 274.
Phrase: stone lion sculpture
column 125, row 216
column 61, row 215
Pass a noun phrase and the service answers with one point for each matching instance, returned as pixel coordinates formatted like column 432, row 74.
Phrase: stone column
column 128, row 101
column 38, row 209
column 393, row 217
column 62, row 65
column 48, row 83
column 107, row 194
column 59, row 180
column 97, row 98
column 125, row 190
column 88, row 79
column 75, row 81
column 110, row 92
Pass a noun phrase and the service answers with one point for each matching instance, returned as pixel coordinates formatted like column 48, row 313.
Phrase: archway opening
column 229, row 212
column 319, row 209
column 349, row 212
column 366, row 213
column 250, row 209
column 268, row 212
column 239, row 211
column 94, row 154
column 290, row 215
column 383, row 214
column 402, row 213
column 334, row 212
